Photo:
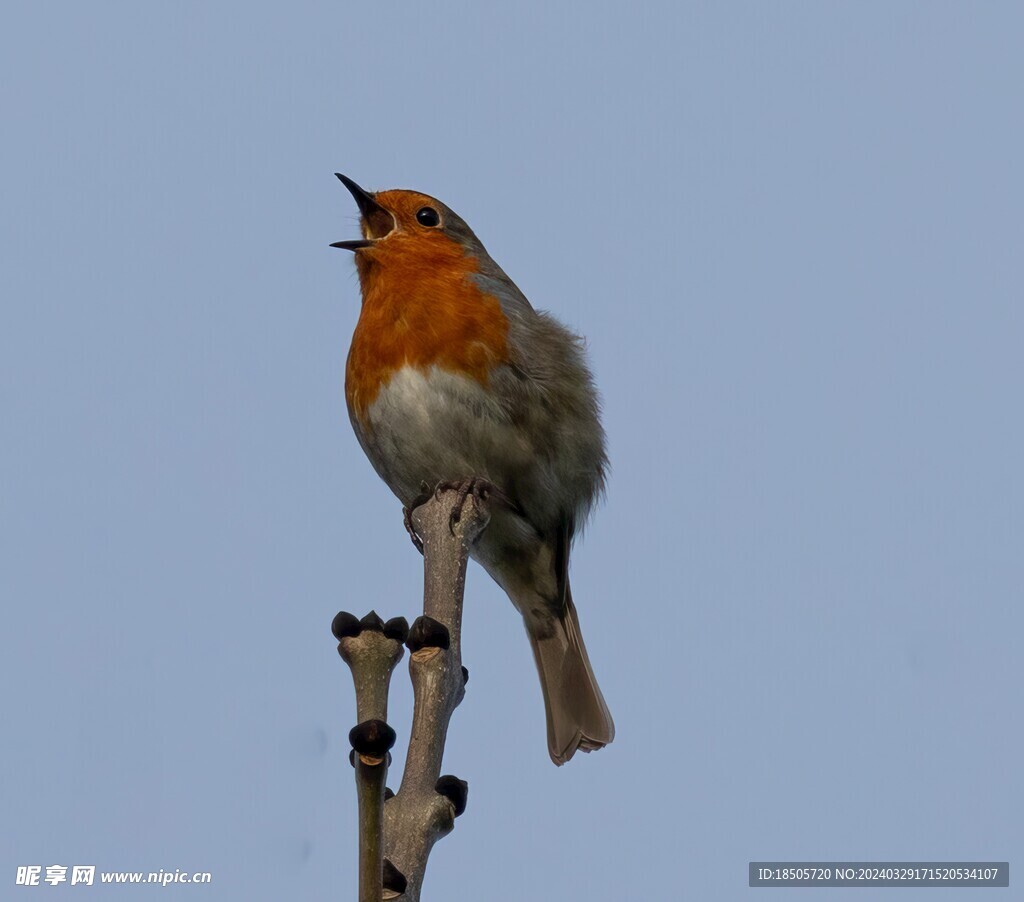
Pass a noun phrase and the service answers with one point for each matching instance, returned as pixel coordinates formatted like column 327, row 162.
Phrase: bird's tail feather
column 578, row 717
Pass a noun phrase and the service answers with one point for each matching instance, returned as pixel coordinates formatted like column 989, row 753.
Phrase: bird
column 454, row 379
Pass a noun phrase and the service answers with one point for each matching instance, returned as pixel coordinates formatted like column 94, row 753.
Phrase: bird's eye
column 428, row 216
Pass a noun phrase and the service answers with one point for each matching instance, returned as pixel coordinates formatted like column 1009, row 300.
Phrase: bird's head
column 407, row 225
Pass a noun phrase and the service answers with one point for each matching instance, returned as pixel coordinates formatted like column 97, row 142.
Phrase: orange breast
column 421, row 309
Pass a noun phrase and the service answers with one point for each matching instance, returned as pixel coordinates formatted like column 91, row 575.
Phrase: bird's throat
column 421, row 311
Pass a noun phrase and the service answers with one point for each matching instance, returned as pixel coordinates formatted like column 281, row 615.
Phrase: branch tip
column 397, row 628
column 426, row 632
column 345, row 624
column 372, row 621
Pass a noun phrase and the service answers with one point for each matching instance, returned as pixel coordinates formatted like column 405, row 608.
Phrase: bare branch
column 371, row 649
column 397, row 833
column 426, row 805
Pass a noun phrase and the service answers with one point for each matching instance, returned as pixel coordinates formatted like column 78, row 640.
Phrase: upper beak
column 377, row 222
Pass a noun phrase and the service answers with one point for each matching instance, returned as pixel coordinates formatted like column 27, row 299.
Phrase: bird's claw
column 409, row 528
column 481, row 489
column 422, row 498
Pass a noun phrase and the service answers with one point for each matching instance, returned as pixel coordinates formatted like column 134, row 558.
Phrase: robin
column 454, row 379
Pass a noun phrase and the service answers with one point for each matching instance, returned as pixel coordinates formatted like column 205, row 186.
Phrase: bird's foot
column 426, row 493
column 409, row 528
column 481, row 489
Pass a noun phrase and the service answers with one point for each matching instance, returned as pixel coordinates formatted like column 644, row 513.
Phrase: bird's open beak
column 377, row 222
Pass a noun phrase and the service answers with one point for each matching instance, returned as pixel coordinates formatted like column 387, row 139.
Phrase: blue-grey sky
column 792, row 233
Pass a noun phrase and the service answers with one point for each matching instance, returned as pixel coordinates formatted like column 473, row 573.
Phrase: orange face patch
column 421, row 307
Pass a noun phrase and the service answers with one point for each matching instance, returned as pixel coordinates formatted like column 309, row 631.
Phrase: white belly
column 433, row 425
